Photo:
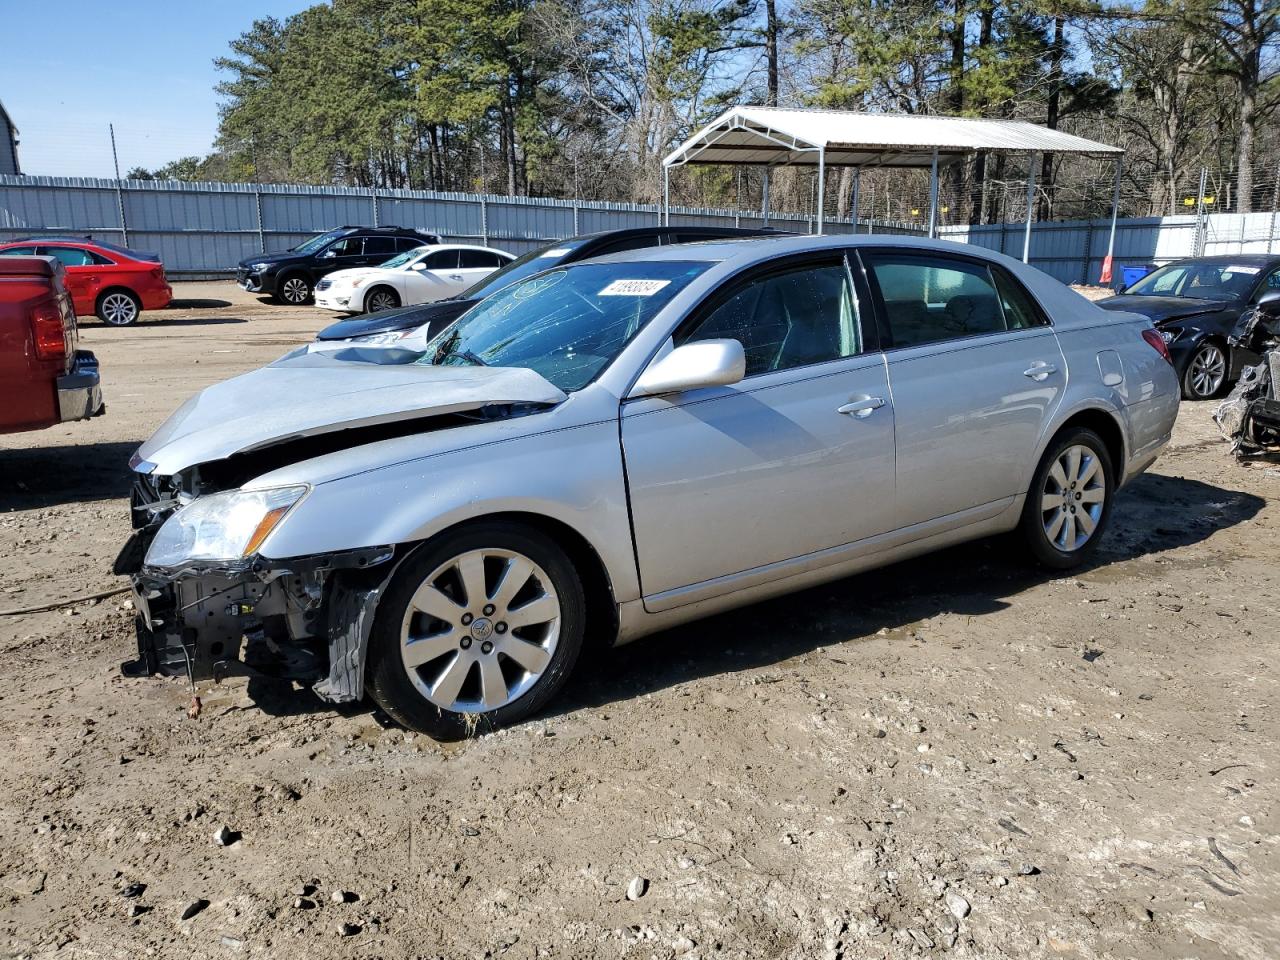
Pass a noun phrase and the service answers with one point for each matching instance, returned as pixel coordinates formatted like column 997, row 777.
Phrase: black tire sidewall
column 1032, row 524
column 385, row 678
column 100, row 306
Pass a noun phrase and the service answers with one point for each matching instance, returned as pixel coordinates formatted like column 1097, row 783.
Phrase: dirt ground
column 956, row 756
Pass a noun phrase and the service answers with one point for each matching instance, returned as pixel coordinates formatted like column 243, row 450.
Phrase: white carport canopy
column 770, row 136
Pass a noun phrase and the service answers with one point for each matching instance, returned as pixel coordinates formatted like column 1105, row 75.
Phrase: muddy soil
column 956, row 756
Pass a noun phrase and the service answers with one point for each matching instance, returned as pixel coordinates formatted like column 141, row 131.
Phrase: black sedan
column 1195, row 304
column 387, row 326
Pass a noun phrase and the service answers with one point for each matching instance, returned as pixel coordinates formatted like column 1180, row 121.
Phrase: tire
column 293, row 289
column 1059, row 504
column 381, row 298
column 447, row 687
column 1206, row 371
column 118, row 307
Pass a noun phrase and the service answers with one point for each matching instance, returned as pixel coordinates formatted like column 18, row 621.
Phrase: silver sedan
column 610, row 448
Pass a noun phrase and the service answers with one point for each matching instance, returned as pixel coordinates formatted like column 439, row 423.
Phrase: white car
column 422, row 275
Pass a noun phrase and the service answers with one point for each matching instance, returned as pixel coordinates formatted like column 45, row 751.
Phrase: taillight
column 158, row 272
column 48, row 331
column 1153, row 337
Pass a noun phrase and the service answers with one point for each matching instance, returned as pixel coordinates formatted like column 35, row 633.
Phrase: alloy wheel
column 119, row 309
column 295, row 290
column 1073, row 497
column 480, row 631
column 381, row 300
column 1208, row 370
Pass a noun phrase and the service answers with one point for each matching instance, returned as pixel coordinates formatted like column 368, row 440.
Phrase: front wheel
column 295, row 290
column 381, row 298
column 478, row 629
column 1069, row 502
column 118, row 308
column 1206, row 372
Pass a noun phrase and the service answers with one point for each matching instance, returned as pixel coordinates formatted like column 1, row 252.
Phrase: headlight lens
column 221, row 526
column 258, row 267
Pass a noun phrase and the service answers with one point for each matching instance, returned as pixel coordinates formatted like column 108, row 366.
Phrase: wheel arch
column 373, row 288
column 1106, row 425
column 597, row 585
column 116, row 288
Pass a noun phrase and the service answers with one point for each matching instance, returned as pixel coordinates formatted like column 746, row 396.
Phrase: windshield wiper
column 449, row 348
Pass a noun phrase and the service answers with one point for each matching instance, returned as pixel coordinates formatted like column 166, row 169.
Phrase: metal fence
column 205, row 229
column 1073, row 251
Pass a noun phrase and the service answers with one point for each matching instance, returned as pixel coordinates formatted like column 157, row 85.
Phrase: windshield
column 1198, row 281
column 566, row 324
column 544, row 258
column 316, row 242
column 405, row 258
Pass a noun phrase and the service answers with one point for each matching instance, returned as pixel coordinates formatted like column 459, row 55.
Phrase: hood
column 353, row 275
column 307, row 394
column 404, row 318
column 279, row 257
column 1160, row 309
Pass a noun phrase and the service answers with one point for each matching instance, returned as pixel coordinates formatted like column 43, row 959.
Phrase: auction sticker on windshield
column 633, row 288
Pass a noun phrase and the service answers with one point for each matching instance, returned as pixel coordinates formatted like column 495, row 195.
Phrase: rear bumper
column 157, row 298
column 80, row 391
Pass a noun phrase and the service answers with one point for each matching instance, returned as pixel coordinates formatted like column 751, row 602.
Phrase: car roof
column 1244, row 259
column 654, row 231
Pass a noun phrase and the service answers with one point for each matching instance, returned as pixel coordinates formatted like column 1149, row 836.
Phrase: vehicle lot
column 1089, row 762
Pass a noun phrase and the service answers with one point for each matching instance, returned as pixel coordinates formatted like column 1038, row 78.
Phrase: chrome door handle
column 455, row 276
column 861, row 407
column 1039, row 370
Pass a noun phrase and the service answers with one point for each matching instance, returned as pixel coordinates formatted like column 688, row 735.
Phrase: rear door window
column 70, row 256
column 380, row 247
column 929, row 299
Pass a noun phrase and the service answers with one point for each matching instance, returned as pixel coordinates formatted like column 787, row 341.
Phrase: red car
column 115, row 283
column 44, row 379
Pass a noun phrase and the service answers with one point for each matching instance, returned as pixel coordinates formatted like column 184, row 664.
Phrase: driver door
column 436, row 277
column 733, row 485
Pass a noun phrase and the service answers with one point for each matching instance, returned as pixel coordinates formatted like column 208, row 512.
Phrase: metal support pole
column 822, row 183
column 374, row 198
column 1031, row 209
column 853, row 202
column 1115, row 213
column 124, row 227
column 933, row 196
column 576, row 231
column 1199, row 240
column 484, row 221
column 764, row 202
column 666, row 195
column 1275, row 204
column 257, row 202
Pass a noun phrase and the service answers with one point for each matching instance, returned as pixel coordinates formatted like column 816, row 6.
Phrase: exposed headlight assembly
column 258, row 267
column 221, row 526
column 1169, row 334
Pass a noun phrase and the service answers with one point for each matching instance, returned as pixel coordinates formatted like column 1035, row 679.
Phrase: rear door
column 975, row 371
column 86, row 274
column 378, row 250
column 729, row 485
column 475, row 265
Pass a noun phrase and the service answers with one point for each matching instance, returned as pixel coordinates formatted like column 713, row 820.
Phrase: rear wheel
column 294, row 289
column 477, row 630
column 381, row 298
column 119, row 308
column 1069, row 502
column 1206, row 372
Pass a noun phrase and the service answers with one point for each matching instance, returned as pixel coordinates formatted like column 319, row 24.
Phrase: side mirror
column 327, row 255
column 420, row 265
column 1269, row 303
column 704, row 363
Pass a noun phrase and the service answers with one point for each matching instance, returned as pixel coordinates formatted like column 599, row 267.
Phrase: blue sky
column 72, row 67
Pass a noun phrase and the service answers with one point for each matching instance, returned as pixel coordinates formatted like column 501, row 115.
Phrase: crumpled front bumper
column 305, row 618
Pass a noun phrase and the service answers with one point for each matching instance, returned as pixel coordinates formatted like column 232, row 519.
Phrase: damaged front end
column 305, row 619
column 1249, row 417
